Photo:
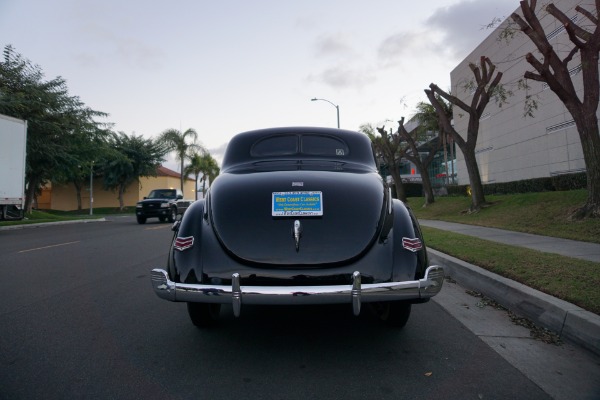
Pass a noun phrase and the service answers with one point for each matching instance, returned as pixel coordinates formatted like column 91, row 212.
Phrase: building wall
column 63, row 197
column 170, row 182
column 510, row 146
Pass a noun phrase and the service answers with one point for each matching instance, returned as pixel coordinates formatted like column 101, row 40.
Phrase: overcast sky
column 227, row 66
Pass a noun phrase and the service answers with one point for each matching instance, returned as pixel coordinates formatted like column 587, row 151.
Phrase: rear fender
column 185, row 262
column 408, row 265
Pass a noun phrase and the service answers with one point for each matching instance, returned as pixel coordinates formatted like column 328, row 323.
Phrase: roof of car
column 238, row 149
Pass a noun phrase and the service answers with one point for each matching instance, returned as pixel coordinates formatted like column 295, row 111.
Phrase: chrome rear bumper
column 356, row 293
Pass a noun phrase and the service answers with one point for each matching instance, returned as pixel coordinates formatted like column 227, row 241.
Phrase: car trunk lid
column 241, row 211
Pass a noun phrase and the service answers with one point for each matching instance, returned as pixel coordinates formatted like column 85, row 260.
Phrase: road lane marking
column 158, row 227
column 48, row 247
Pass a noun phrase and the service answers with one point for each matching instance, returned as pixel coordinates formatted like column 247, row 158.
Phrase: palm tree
column 175, row 140
column 202, row 164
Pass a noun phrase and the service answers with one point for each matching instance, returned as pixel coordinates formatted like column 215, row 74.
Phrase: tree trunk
column 400, row 192
column 121, row 202
column 78, row 185
column 477, row 195
column 30, row 194
column 427, row 189
column 589, row 135
column 181, row 176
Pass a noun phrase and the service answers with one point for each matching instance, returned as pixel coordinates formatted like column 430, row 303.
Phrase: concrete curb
column 571, row 322
column 42, row 224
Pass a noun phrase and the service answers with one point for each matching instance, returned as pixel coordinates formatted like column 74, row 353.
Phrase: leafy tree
column 552, row 67
column 202, row 165
column 88, row 146
column 177, row 141
column 486, row 86
column 390, row 148
column 131, row 158
column 54, row 119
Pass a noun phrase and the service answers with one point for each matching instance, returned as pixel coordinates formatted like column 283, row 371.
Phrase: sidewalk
column 564, row 247
column 568, row 320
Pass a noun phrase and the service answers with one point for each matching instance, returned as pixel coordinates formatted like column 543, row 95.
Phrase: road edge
column 42, row 224
column 569, row 321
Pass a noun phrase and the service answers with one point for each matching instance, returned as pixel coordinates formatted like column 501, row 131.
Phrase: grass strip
column 37, row 216
column 569, row 279
column 544, row 213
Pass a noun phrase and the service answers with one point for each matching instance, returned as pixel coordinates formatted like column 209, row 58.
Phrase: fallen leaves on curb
column 536, row 332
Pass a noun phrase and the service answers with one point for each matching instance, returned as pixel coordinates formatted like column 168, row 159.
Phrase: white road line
column 158, row 227
column 48, row 247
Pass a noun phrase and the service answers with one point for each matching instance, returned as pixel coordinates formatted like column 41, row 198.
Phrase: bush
column 570, row 181
column 413, row 189
column 535, row 185
column 457, row 190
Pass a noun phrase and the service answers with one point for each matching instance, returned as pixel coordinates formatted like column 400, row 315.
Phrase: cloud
column 463, row 25
column 451, row 32
column 332, row 45
column 218, row 152
column 112, row 47
column 344, row 78
column 395, row 47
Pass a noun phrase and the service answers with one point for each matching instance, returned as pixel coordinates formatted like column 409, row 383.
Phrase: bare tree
column 422, row 164
column 391, row 149
column 554, row 70
column 486, row 86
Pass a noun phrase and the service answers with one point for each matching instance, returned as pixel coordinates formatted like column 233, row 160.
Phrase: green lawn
column 37, row 216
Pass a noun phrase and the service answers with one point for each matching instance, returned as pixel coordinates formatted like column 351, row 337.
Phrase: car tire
column 393, row 313
column 173, row 275
column 204, row 315
column 141, row 220
column 173, row 214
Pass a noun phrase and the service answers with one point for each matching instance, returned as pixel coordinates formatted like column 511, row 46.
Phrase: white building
column 512, row 147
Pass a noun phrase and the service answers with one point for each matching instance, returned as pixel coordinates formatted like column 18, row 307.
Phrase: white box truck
column 13, row 146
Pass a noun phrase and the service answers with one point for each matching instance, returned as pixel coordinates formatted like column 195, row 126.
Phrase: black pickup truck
column 160, row 203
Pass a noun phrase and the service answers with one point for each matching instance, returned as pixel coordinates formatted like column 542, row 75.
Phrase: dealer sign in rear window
column 289, row 204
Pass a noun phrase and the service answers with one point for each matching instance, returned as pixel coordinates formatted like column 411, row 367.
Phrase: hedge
column 549, row 184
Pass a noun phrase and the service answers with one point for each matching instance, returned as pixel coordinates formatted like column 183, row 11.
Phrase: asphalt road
column 78, row 319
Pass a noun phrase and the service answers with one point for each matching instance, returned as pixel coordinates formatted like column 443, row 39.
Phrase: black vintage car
column 298, row 216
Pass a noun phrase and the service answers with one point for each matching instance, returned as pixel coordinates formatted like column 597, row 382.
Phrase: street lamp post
column 337, row 108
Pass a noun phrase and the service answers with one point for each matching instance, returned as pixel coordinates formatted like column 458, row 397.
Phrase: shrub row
column 411, row 189
column 550, row 184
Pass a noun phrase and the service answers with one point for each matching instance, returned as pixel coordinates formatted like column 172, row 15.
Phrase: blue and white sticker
column 291, row 204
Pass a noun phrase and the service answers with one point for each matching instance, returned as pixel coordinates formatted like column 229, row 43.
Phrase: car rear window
column 283, row 145
column 318, row 145
column 310, row 145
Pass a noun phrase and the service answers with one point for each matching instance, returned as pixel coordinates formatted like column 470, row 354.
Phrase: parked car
column 160, row 203
column 298, row 216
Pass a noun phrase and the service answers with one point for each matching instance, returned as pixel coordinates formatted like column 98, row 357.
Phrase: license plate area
column 291, row 204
